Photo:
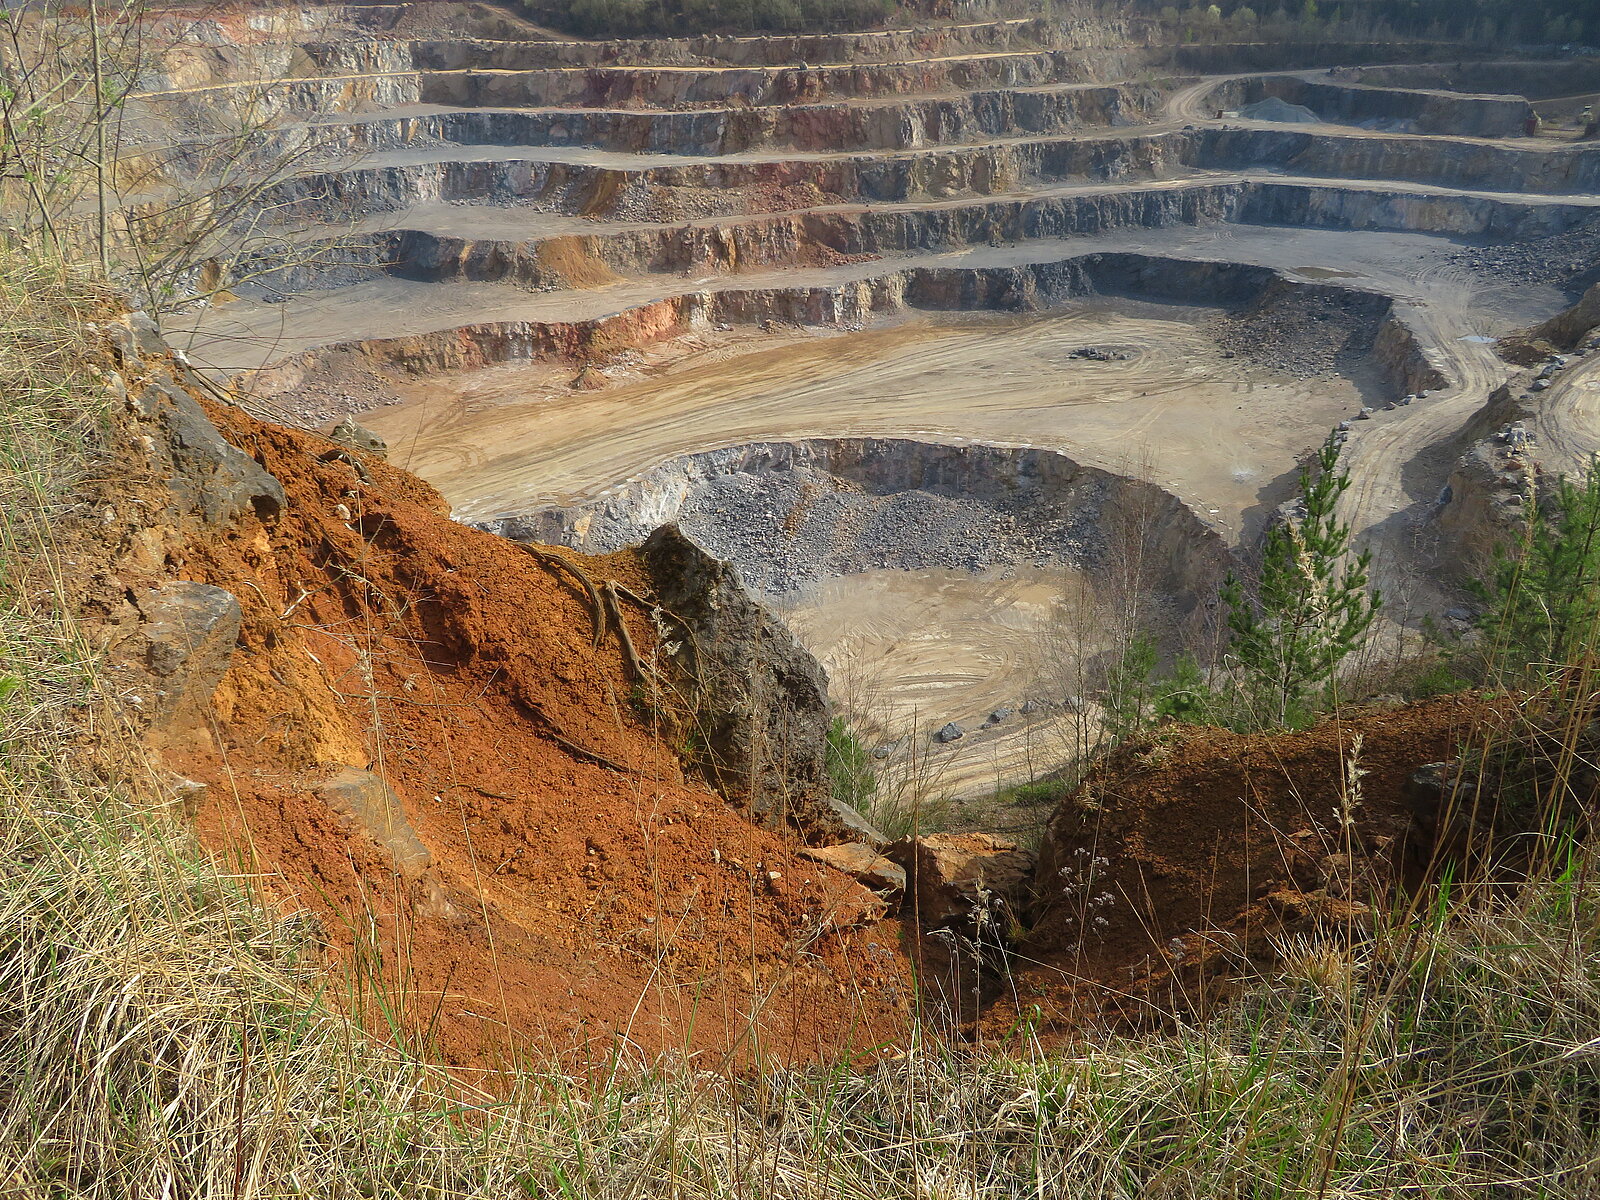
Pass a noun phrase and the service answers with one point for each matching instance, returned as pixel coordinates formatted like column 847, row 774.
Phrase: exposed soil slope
column 419, row 742
column 1181, row 857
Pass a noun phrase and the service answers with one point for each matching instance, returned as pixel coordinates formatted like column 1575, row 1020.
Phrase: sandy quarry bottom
column 908, row 651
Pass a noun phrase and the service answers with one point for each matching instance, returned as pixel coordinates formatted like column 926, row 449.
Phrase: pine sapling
column 1309, row 610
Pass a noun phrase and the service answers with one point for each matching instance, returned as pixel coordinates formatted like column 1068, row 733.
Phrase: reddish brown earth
column 566, row 902
column 1183, row 857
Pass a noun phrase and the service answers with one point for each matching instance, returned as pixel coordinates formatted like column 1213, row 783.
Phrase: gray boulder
column 761, row 699
column 358, row 437
column 215, row 482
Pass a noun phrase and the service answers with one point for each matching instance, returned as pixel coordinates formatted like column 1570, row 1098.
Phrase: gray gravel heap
column 789, row 528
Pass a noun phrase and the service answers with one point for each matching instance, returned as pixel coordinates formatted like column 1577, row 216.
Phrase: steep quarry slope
column 412, row 739
column 547, row 270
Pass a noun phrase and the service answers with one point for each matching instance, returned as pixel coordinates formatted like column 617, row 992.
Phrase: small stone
column 863, row 864
column 358, row 437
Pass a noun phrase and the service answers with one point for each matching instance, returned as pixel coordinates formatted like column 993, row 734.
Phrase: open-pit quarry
column 527, row 420
column 894, row 322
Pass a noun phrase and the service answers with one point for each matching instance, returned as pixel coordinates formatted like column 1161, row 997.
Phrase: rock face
column 762, row 709
column 963, row 880
column 1387, row 108
column 1571, row 325
column 775, row 239
column 211, row 480
column 1486, row 503
column 788, row 512
column 1028, row 287
column 964, row 894
column 186, row 645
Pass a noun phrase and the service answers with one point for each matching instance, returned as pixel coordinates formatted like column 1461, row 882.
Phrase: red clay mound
column 419, row 741
column 1181, row 856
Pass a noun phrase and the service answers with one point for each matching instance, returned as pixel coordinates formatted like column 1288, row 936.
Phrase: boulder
column 954, row 880
column 761, row 700
column 856, row 822
column 136, row 338
column 185, row 646
column 865, row 865
column 949, row 733
column 358, row 437
column 367, row 803
column 211, row 480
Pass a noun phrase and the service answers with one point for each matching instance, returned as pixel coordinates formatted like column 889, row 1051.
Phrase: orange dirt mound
column 559, row 903
column 1181, row 857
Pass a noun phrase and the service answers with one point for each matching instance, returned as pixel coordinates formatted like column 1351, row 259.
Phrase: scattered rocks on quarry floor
column 1304, row 335
column 1570, row 260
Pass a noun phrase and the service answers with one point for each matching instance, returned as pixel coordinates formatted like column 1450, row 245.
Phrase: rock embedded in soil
column 370, row 804
column 762, row 700
column 186, row 644
column 865, row 865
column 211, row 480
column 962, row 880
column 358, row 437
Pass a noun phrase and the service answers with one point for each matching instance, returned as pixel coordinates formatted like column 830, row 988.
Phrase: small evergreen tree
column 1544, row 601
column 850, row 770
column 1138, row 694
column 1127, row 699
column 1310, row 609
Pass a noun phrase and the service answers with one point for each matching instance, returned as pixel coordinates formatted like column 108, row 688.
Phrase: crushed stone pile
column 1305, row 333
column 1569, row 260
column 787, row 529
column 1275, row 109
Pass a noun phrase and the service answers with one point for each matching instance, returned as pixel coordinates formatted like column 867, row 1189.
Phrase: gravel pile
column 786, row 529
column 1570, row 260
column 1305, row 333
